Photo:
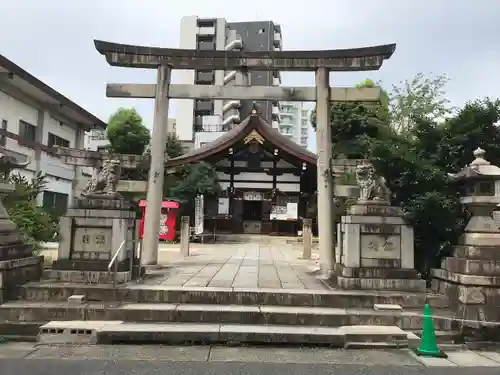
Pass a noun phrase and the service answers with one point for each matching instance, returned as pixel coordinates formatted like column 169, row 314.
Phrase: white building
column 35, row 117
column 202, row 121
column 294, row 123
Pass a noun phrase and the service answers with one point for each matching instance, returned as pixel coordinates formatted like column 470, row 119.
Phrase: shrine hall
column 268, row 181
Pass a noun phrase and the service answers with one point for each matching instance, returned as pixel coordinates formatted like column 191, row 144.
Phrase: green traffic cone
column 428, row 346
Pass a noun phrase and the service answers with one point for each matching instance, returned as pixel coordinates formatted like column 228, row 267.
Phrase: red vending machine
column 167, row 220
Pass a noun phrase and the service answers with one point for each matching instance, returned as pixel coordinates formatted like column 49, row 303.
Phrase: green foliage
column 35, row 224
column 415, row 159
column 421, row 97
column 126, row 132
column 173, row 146
column 195, row 179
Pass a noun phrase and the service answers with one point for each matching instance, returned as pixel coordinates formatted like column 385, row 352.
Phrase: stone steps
column 60, row 292
column 98, row 332
column 409, row 319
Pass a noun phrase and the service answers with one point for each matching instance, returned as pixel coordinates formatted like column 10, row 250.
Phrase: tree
column 126, row 132
column 422, row 97
column 415, row 162
column 34, row 223
column 173, row 146
column 353, row 124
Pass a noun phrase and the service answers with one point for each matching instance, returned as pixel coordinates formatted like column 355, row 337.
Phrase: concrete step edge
column 438, row 313
column 177, row 333
column 207, row 295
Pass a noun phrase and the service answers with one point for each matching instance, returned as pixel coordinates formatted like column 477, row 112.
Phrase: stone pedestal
column 307, row 238
column 91, row 232
column 471, row 280
column 375, row 250
column 18, row 265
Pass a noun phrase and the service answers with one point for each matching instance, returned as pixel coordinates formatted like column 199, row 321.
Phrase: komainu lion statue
column 372, row 186
column 105, row 181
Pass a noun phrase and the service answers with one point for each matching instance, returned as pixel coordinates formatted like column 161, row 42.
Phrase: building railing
column 213, row 128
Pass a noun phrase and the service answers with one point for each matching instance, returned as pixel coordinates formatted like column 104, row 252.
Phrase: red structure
column 167, row 221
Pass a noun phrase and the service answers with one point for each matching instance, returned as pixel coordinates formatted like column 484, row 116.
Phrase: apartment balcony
column 205, row 77
column 206, row 46
column 277, row 39
column 204, row 105
column 206, row 30
column 276, row 112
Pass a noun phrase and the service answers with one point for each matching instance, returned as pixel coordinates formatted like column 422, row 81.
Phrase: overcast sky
column 52, row 39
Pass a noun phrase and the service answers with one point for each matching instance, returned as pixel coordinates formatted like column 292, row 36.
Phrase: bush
column 34, row 223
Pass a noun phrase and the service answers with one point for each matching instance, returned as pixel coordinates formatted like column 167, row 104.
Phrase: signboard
column 292, row 211
column 285, row 213
column 223, row 208
column 97, row 135
column 252, row 196
column 199, row 212
column 278, row 213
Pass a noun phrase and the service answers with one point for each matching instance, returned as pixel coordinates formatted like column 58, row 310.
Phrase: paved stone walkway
column 393, row 357
column 250, row 265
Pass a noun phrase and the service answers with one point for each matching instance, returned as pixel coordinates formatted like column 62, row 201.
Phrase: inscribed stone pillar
column 185, row 236
column 324, row 176
column 157, row 170
column 307, row 238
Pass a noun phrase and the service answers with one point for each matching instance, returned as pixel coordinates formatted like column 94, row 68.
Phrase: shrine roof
column 256, row 123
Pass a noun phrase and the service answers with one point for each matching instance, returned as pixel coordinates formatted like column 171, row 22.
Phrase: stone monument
column 18, row 264
column 374, row 244
column 470, row 278
column 99, row 224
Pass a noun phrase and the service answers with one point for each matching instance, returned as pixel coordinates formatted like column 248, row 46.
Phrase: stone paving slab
column 250, row 265
column 266, row 354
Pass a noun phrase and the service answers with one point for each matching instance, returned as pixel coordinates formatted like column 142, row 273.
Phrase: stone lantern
column 471, row 277
column 18, row 264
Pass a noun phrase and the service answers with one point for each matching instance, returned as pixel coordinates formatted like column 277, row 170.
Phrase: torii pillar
column 326, row 208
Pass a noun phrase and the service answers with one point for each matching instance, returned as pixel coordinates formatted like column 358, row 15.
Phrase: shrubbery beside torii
column 414, row 139
column 128, row 135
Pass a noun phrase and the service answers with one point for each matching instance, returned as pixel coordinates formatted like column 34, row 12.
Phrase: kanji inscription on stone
column 92, row 240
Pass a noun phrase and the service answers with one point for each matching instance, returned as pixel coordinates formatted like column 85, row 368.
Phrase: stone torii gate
column 321, row 62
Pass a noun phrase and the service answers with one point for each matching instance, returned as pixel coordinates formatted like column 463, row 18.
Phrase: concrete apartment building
column 37, row 114
column 202, row 121
column 294, row 122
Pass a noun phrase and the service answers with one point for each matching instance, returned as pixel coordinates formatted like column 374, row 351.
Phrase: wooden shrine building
column 268, row 181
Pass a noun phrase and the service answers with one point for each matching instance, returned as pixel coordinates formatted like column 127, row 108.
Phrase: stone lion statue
column 105, row 181
column 8, row 163
column 372, row 187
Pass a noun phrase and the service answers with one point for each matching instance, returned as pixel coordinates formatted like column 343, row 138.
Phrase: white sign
column 252, row 196
column 223, row 208
column 199, row 214
column 285, row 213
column 278, row 213
column 97, row 135
column 292, row 211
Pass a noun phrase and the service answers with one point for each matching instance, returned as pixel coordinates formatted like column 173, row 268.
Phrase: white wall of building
column 295, row 121
column 59, row 176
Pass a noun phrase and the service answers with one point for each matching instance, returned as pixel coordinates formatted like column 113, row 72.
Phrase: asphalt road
column 128, row 367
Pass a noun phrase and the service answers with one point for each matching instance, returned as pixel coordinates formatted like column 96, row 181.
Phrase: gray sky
column 52, row 39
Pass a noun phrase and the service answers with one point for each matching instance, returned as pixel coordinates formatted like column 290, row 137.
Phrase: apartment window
column 304, row 113
column 206, row 23
column 3, row 138
column 55, row 140
column 27, row 131
column 303, row 131
column 305, row 122
column 55, row 203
